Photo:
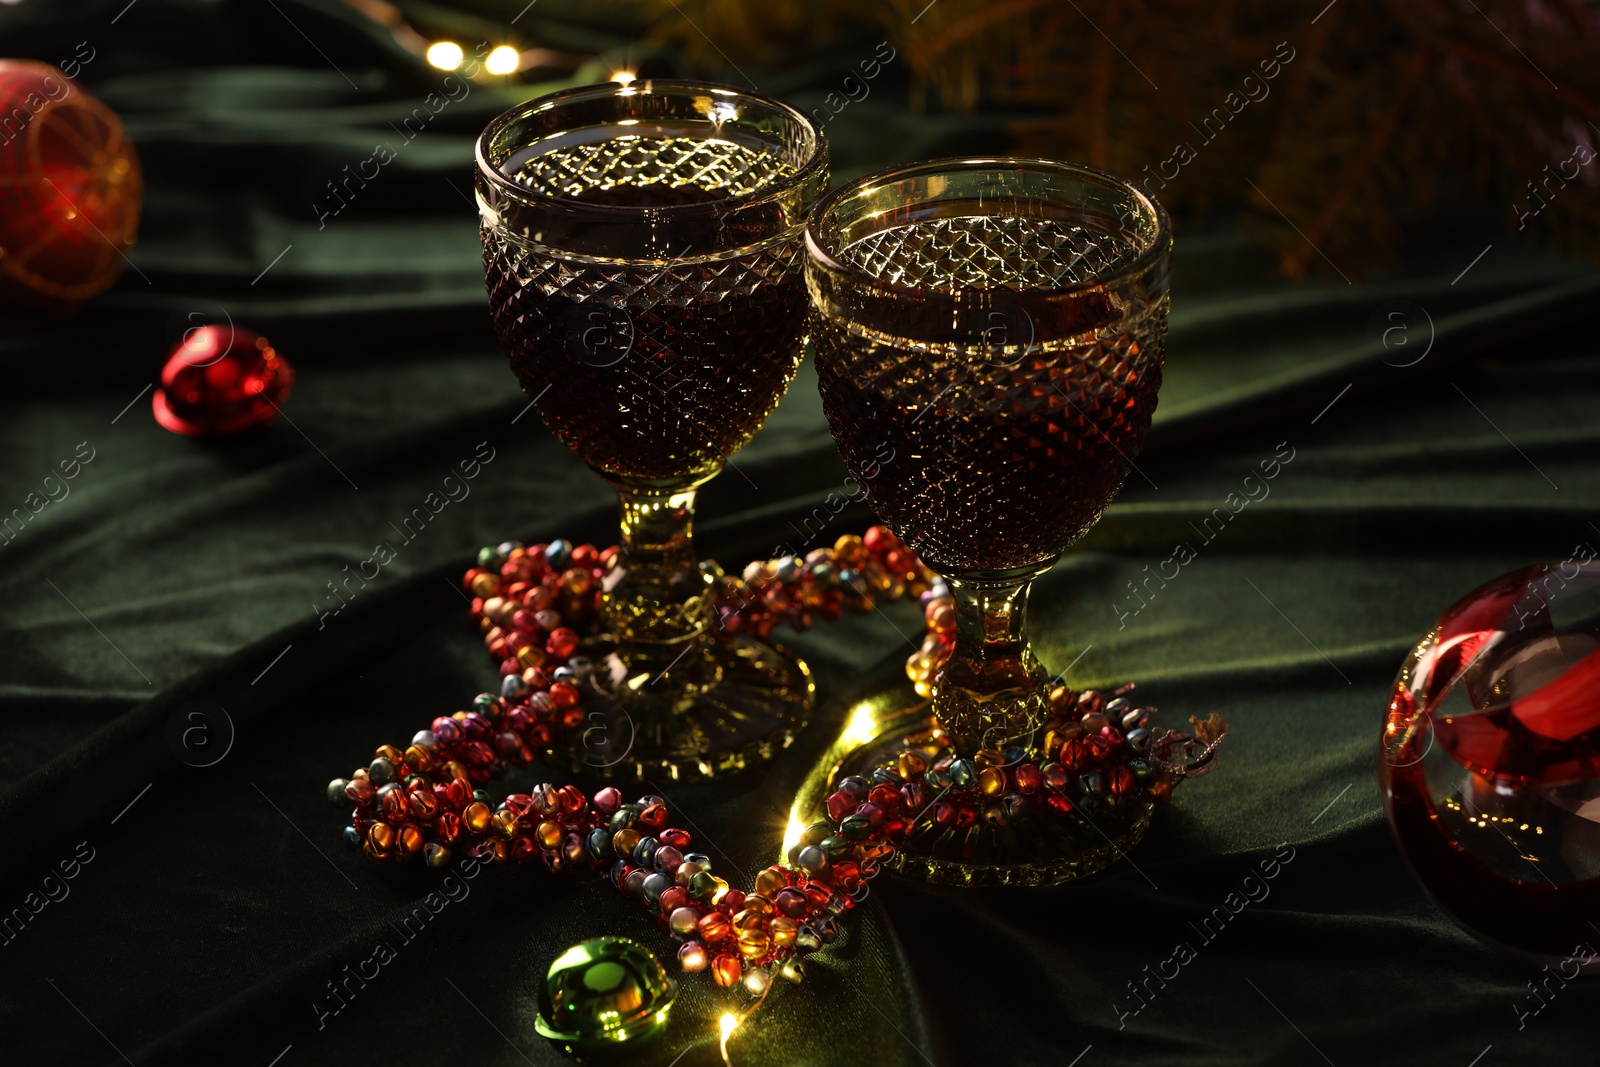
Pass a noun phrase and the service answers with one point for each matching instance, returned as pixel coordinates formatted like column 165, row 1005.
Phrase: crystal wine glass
column 642, row 247
column 996, row 326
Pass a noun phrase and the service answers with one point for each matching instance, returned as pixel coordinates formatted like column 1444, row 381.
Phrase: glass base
column 744, row 705
column 1035, row 848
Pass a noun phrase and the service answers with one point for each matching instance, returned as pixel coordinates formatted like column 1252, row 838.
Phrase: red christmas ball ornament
column 219, row 380
column 71, row 185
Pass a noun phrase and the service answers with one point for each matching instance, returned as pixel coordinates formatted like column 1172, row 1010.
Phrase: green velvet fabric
column 218, row 903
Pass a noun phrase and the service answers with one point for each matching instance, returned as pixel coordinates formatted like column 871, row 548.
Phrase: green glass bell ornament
column 604, row 995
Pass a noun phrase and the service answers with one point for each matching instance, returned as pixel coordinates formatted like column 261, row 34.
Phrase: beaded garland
column 426, row 803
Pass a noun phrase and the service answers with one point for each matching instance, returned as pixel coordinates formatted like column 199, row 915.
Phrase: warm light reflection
column 862, row 726
column 791, row 835
column 623, row 77
column 446, row 55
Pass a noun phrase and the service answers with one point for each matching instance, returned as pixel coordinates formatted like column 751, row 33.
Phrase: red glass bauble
column 71, row 185
column 1490, row 762
column 219, row 380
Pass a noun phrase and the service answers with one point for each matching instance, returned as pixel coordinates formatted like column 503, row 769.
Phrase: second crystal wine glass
column 997, row 327
column 642, row 244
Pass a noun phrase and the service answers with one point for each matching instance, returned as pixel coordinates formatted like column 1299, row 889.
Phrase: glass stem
column 660, row 605
column 992, row 692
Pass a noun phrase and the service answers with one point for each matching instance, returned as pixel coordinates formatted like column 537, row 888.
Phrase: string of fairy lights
column 502, row 60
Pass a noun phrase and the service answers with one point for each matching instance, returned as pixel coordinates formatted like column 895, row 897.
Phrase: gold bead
column 408, row 842
column 769, row 881
column 477, row 816
column 380, row 838
column 783, row 931
column 754, row 943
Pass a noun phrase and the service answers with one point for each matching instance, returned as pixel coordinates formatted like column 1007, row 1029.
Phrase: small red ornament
column 219, row 380
column 71, row 185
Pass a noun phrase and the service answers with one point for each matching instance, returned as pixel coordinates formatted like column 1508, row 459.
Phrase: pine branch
column 1100, row 92
column 1385, row 112
column 924, row 53
column 1360, row 167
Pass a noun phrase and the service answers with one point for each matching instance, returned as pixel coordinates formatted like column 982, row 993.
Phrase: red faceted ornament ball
column 219, row 380
column 71, row 188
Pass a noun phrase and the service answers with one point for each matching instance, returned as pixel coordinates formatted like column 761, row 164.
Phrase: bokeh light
column 446, row 55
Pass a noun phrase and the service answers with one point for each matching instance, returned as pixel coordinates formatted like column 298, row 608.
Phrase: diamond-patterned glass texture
column 1004, row 449
column 697, row 164
column 650, row 369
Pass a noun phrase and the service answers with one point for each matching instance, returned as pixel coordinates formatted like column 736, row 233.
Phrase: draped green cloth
column 1416, row 457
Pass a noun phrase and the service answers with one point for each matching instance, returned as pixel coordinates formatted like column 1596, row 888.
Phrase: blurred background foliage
column 1339, row 131
column 1378, row 117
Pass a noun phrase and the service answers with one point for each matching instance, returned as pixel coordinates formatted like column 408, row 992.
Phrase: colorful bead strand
column 534, row 604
